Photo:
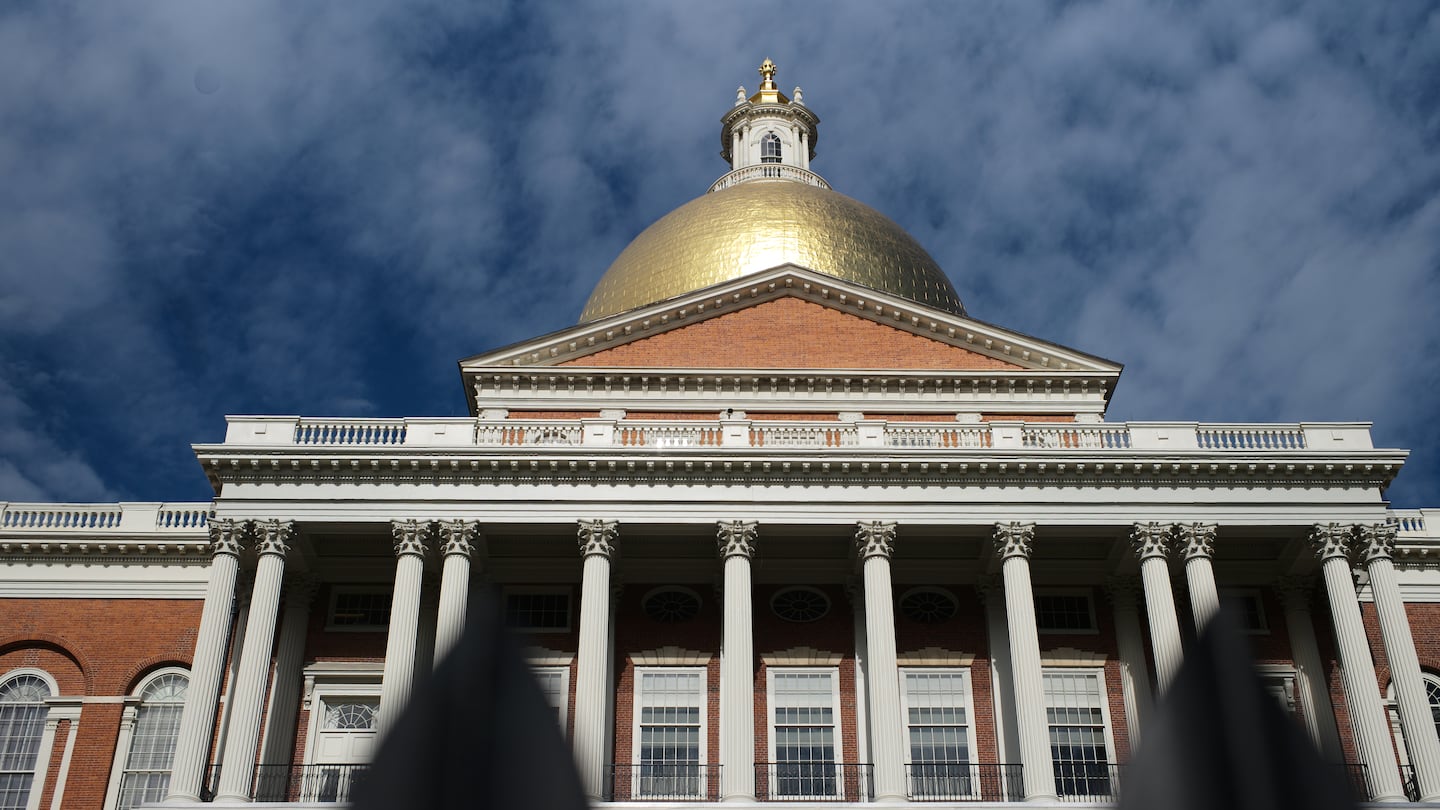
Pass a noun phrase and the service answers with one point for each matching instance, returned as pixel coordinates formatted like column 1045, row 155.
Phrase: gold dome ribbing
column 758, row 225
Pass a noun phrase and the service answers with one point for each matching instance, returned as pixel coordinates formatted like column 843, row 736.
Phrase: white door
column 344, row 744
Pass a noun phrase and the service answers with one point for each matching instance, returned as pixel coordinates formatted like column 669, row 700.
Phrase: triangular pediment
column 791, row 318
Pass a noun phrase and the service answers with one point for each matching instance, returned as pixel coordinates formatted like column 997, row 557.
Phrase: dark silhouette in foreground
column 1218, row 740
column 478, row 733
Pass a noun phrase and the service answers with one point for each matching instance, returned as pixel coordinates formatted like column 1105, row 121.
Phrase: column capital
column 1195, row 540
column 410, row 536
column 1376, row 541
column 461, row 537
column 1122, row 591
column 1014, row 539
column 1295, row 592
column 1150, row 539
column 875, row 538
column 736, row 538
column 273, row 537
column 598, row 537
column 227, row 536
column 1331, row 540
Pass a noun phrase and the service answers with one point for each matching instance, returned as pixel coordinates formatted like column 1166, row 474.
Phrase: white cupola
column 768, row 129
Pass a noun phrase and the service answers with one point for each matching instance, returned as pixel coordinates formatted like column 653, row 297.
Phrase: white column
column 244, row 587
column 458, row 539
column 1362, row 690
column 1013, row 542
column 736, row 539
column 1310, row 680
column 874, row 543
column 1002, row 680
column 1378, row 546
column 597, row 540
column 399, row 673
column 1196, row 543
column 1124, row 593
column 192, row 743
column 1152, row 543
column 278, row 745
column 272, row 542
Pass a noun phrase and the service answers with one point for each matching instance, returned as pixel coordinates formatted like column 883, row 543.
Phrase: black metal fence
column 296, row 783
column 664, row 781
column 1087, row 781
column 963, row 782
column 813, row 781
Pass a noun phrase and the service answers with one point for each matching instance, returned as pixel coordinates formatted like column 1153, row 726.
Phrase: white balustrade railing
column 539, row 433
column 792, row 434
column 1250, row 437
column 1408, row 521
column 103, row 517
column 350, row 432
column 769, row 171
column 906, row 435
column 662, row 434
column 1066, row 436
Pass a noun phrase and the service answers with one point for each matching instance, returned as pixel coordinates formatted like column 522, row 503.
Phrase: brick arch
column 142, row 670
column 57, row 644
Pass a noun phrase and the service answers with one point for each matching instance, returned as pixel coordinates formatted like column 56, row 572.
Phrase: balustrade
column 350, row 431
column 1250, row 437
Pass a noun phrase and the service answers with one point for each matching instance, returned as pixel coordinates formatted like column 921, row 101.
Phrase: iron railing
column 1087, row 781
column 963, row 782
column 1409, row 783
column 664, row 781
column 814, row 781
column 296, row 783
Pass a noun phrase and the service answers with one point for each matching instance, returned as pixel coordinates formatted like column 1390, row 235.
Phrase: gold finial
column 767, row 72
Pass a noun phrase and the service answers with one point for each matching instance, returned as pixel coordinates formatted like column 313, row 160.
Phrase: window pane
column 804, row 734
column 537, row 611
column 1077, row 733
column 152, row 743
column 669, row 753
column 22, row 721
column 939, row 738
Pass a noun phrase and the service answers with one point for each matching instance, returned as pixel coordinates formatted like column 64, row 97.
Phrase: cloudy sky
column 317, row 208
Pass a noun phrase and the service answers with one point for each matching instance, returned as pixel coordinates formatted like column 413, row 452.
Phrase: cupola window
column 770, row 148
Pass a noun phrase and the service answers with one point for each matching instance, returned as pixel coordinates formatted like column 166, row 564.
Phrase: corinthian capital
column 1014, row 539
column 875, row 538
column 598, row 537
column 1195, row 540
column 1377, row 541
column 736, row 538
column 1150, row 540
column 227, row 536
column 459, row 537
column 410, row 536
column 274, row 536
column 1331, row 540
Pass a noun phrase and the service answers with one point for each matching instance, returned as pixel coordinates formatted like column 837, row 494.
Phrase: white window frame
column 1088, row 593
column 564, row 708
column 128, row 720
column 1392, row 712
column 771, row 779
column 318, row 702
column 972, row 771
column 539, row 590
column 337, row 590
column 1099, row 674
column 47, row 735
column 635, row 713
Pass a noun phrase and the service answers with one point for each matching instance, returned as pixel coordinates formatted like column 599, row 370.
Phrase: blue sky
column 317, row 208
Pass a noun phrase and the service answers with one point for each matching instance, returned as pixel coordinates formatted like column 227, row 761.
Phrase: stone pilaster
column 874, row 544
column 736, row 540
column 597, row 540
column 1013, row 543
column 1151, row 542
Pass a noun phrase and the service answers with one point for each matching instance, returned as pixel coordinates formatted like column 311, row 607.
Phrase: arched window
column 770, row 148
column 152, row 744
column 22, row 724
column 1432, row 691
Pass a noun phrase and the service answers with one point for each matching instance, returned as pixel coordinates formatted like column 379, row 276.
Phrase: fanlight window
column 672, row 605
column 928, row 605
column 350, row 716
column 22, row 722
column 800, row 604
column 770, row 148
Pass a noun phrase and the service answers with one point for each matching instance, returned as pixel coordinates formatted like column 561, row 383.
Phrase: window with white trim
column 555, row 685
column 770, row 148
column 146, row 778
column 22, row 724
column 805, row 733
column 1075, row 711
column 1064, row 612
column 938, row 728
column 669, row 734
column 538, row 611
column 359, row 608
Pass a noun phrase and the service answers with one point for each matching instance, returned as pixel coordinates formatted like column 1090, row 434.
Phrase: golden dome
column 757, row 225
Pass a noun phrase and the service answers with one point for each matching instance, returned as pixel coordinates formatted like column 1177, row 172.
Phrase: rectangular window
column 359, row 609
column 1070, row 612
column 152, row 749
column 805, row 735
column 555, row 685
column 547, row 611
column 1074, row 707
column 669, row 734
column 21, row 726
column 1247, row 608
column 937, row 718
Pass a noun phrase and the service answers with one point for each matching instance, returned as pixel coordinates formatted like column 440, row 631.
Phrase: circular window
column 800, row 604
column 928, row 605
column 672, row 605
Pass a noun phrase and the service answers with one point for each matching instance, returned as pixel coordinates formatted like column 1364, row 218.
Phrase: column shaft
column 887, row 745
column 1134, row 674
column 399, row 674
column 593, row 657
column 1014, row 541
column 1197, row 544
column 248, row 693
column 197, row 719
column 1309, row 672
column 454, row 596
column 1362, row 692
column 278, row 745
column 1152, row 543
column 737, row 666
column 1415, row 716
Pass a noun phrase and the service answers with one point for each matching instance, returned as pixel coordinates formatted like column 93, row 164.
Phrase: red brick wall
column 1103, row 643
column 814, row 336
